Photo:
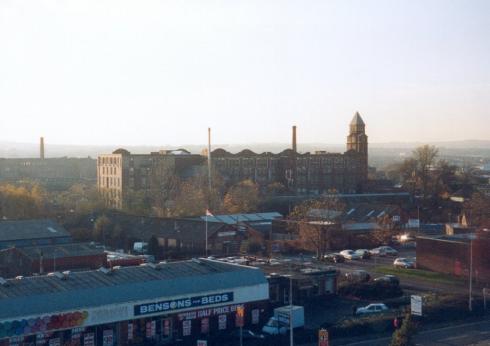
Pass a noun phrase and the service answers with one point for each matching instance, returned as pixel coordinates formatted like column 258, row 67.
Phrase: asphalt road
column 477, row 333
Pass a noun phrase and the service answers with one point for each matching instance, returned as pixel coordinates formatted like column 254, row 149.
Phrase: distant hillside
column 18, row 150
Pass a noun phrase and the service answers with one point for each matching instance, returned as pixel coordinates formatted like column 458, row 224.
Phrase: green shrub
column 371, row 290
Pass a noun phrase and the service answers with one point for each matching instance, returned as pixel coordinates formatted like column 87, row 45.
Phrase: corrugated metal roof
column 235, row 218
column 46, row 294
column 62, row 250
column 30, row 229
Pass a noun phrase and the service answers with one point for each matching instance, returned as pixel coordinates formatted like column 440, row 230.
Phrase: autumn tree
column 385, row 231
column 477, row 210
column 102, row 228
column 191, row 200
column 242, row 197
column 24, row 201
column 164, row 188
column 404, row 335
column 318, row 223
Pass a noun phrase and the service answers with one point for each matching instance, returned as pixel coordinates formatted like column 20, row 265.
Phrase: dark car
column 391, row 279
column 334, row 258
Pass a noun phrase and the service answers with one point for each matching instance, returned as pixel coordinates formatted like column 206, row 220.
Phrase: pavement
column 474, row 333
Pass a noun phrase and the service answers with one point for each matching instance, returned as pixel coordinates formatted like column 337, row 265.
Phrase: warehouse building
column 153, row 303
column 23, row 233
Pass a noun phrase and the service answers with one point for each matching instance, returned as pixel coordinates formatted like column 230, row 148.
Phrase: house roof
column 143, row 227
column 62, row 250
column 248, row 218
column 45, row 294
column 11, row 230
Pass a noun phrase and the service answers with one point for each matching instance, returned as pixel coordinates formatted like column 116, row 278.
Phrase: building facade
column 142, row 305
column 121, row 173
column 302, row 173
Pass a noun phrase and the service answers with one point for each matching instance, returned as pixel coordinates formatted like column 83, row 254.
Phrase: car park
column 404, row 263
column 372, row 309
column 350, row 255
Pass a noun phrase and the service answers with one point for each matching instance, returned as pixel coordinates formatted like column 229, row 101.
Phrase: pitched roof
column 62, row 250
column 357, row 120
column 31, row 229
column 236, row 218
column 46, row 294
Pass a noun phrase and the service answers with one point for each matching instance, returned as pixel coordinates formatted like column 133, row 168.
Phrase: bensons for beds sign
column 183, row 303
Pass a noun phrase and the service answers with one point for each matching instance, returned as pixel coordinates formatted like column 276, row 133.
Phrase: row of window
column 109, row 170
column 109, row 182
column 109, row 160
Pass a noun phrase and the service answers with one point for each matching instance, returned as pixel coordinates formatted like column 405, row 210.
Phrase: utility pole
column 470, row 303
column 209, row 190
column 291, row 336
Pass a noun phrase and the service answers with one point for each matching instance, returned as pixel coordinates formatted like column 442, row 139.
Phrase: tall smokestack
column 209, row 157
column 294, row 139
column 41, row 148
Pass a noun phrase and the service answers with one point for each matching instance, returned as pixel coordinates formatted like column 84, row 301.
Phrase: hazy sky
column 161, row 72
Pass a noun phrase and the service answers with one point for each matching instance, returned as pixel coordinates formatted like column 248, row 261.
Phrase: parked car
column 391, row 279
column 358, row 276
column 334, row 258
column 365, row 254
column 350, row 255
column 384, row 251
column 404, row 263
column 372, row 309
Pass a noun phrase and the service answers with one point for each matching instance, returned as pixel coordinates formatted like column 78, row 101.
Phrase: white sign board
column 416, row 305
column 413, row 223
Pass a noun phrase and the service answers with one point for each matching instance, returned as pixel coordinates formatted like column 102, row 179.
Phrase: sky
column 161, row 72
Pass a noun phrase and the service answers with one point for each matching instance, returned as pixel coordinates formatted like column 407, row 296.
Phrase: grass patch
column 419, row 274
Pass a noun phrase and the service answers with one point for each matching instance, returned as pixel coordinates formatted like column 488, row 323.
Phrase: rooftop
column 236, row 218
column 45, row 294
column 30, row 229
column 62, row 250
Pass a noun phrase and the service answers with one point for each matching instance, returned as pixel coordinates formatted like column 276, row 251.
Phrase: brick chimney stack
column 41, row 148
column 294, row 139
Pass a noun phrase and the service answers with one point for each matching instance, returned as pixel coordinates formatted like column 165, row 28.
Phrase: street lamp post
column 291, row 337
column 470, row 298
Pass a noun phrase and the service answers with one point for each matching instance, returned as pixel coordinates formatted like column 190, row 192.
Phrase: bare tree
column 318, row 222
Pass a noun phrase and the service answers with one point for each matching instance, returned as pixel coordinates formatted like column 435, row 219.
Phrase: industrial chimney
column 41, row 148
column 294, row 139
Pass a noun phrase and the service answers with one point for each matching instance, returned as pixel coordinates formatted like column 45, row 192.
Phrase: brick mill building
column 304, row 173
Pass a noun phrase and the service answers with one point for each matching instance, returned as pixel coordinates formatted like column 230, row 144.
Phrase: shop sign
column 240, row 316
column 191, row 315
column 42, row 324
column 166, row 327
column 130, row 331
column 255, row 316
column 183, row 303
column 108, row 337
column 88, row 339
column 151, row 329
column 323, row 337
column 54, row 342
column 416, row 305
column 222, row 322
column 205, row 325
column 40, row 339
column 227, row 234
column 187, row 327
column 15, row 341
